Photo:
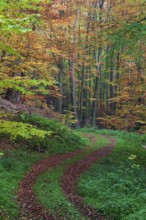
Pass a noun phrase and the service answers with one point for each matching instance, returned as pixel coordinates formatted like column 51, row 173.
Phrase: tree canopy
column 85, row 58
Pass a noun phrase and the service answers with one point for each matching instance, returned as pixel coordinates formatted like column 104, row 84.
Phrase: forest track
column 72, row 176
column 31, row 209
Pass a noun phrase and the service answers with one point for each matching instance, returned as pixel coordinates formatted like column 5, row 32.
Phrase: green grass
column 116, row 185
column 13, row 165
column 85, row 134
column 48, row 189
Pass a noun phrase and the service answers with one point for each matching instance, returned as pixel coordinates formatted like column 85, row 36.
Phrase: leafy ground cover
column 48, row 189
column 116, row 185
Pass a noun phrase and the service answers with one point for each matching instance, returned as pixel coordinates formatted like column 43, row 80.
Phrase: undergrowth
column 116, row 185
column 62, row 139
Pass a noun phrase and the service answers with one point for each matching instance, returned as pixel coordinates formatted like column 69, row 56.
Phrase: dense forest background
column 82, row 61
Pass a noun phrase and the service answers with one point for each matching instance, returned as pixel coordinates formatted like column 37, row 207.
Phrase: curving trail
column 30, row 207
column 72, row 175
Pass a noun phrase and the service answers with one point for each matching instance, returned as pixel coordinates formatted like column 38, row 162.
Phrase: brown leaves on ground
column 31, row 209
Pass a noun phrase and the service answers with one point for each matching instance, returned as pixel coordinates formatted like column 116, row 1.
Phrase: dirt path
column 30, row 207
column 71, row 176
column 6, row 145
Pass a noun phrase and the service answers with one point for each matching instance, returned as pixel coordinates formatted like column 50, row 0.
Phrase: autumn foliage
column 86, row 57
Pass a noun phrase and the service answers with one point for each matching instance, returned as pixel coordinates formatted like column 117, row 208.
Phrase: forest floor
column 60, row 187
column 5, row 145
column 31, row 209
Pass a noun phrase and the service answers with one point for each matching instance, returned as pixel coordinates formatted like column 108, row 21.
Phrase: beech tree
column 92, row 50
column 22, row 64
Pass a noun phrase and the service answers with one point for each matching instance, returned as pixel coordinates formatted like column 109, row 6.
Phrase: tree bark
column 60, row 100
column 73, row 83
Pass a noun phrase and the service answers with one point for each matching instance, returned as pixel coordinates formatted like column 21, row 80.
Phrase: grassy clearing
column 116, row 185
column 48, row 189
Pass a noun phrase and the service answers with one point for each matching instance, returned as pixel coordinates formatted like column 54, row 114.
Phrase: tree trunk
column 112, row 109
column 60, row 77
column 73, row 83
column 98, row 67
column 13, row 95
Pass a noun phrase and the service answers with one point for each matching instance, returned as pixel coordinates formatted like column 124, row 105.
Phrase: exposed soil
column 30, row 207
column 6, row 145
column 71, row 176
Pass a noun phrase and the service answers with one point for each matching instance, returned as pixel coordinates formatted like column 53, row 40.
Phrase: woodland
column 84, row 59
column 72, row 109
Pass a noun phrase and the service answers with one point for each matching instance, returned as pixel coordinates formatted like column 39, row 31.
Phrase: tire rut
column 70, row 178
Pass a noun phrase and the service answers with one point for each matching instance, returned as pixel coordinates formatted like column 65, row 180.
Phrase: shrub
column 62, row 138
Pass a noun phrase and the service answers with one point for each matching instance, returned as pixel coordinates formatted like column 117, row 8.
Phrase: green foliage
column 128, row 36
column 26, row 85
column 115, row 185
column 21, row 130
column 62, row 137
column 40, row 133
column 18, row 20
column 68, row 118
column 9, row 49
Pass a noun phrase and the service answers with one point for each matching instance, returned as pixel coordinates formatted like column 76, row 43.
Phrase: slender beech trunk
column 112, row 104
column 117, row 78
column 95, row 103
column 98, row 67
column 82, row 95
column 73, row 83
column 60, row 77
column 98, row 63
column 87, row 99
